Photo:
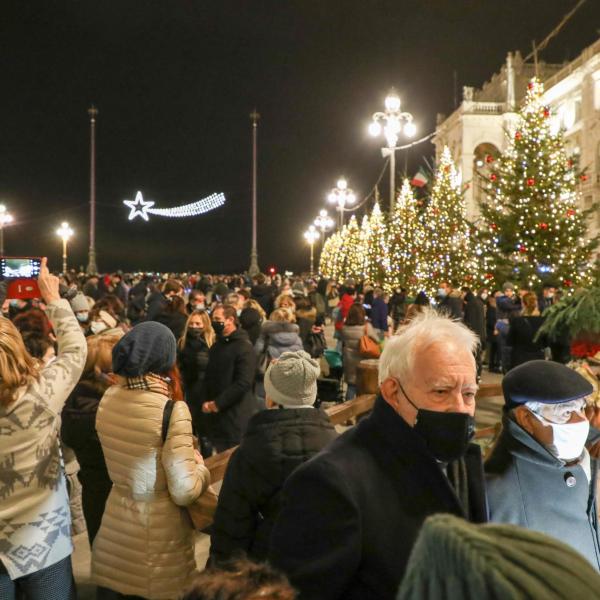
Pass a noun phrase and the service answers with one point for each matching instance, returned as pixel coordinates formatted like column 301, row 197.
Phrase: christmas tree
column 331, row 262
column 364, row 240
column 449, row 250
column 406, row 241
column 353, row 250
column 376, row 248
column 535, row 228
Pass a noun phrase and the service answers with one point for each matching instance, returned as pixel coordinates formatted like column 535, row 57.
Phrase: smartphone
column 22, row 273
column 19, row 267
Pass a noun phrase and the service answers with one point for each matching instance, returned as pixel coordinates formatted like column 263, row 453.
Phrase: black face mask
column 447, row 434
column 218, row 327
column 195, row 333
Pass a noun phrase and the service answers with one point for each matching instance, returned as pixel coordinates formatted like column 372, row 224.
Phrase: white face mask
column 98, row 327
column 484, row 296
column 568, row 439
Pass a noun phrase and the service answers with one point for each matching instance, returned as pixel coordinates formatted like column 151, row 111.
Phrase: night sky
column 174, row 82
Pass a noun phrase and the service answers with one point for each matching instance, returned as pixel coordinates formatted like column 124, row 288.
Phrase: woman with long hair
column 78, row 430
column 145, row 545
column 522, row 332
column 192, row 359
column 35, row 537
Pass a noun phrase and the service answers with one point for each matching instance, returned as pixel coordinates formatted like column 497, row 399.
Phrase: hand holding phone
column 47, row 283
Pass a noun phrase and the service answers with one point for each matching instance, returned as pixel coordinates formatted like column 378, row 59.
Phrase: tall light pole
column 5, row 219
column 64, row 232
column 341, row 195
column 92, row 267
column 311, row 235
column 392, row 122
column 254, row 269
column 324, row 222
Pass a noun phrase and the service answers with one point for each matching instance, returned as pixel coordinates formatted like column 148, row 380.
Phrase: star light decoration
column 142, row 208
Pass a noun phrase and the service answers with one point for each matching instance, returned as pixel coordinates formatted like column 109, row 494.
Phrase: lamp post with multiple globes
column 341, row 195
column 391, row 123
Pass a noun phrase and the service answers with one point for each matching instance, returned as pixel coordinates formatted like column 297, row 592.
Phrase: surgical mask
column 447, row 434
column 550, row 295
column 14, row 303
column 218, row 326
column 238, row 312
column 442, row 292
column 98, row 327
column 568, row 439
column 199, row 306
column 82, row 317
column 483, row 296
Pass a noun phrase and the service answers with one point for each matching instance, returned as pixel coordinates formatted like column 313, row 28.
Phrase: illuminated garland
column 142, row 208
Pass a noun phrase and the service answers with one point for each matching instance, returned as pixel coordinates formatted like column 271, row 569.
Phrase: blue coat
column 527, row 486
column 351, row 514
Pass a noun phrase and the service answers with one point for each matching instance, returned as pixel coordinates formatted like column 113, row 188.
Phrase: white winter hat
column 291, row 381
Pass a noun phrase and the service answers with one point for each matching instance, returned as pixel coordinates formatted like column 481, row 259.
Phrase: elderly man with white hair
column 351, row 514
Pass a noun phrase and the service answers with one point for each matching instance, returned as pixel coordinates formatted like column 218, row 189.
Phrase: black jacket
column 193, row 362
column 474, row 316
column 452, row 305
column 250, row 320
column 276, row 442
column 229, row 379
column 175, row 321
column 263, row 294
column 350, row 515
column 521, row 333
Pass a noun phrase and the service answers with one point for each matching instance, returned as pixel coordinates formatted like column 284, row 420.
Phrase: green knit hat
column 456, row 559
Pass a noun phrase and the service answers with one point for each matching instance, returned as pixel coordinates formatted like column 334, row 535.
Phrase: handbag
column 367, row 347
column 202, row 510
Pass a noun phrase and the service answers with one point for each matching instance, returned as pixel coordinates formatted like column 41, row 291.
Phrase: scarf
column 150, row 382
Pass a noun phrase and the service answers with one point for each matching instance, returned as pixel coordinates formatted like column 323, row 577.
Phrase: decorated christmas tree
column 406, row 240
column 332, row 259
column 376, row 247
column 352, row 249
column 449, row 250
column 535, row 228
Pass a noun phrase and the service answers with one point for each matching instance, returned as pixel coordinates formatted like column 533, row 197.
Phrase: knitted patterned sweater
column 35, row 523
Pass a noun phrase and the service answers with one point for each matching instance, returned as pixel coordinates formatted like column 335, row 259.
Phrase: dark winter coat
column 491, row 316
column 263, row 294
column 527, row 486
column 452, row 305
column 350, row 515
column 229, row 379
column 279, row 337
column 156, row 303
column 78, row 431
column 193, row 362
column 175, row 321
column 520, row 338
column 474, row 316
column 379, row 314
column 276, row 442
column 508, row 307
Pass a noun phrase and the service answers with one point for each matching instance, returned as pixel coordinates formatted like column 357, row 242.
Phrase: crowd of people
column 115, row 389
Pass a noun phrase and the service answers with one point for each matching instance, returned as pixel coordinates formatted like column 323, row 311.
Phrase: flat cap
column 543, row 381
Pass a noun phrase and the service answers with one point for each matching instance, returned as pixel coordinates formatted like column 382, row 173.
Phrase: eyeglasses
column 557, row 413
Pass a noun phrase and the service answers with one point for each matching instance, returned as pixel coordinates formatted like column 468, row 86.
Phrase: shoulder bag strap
column 166, row 419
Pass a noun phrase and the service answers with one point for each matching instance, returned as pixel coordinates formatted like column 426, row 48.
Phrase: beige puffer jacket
column 145, row 545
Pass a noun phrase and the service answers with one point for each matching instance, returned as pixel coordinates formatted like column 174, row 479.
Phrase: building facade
column 477, row 128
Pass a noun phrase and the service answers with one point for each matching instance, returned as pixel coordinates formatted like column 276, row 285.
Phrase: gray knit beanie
column 456, row 559
column 79, row 303
column 291, row 381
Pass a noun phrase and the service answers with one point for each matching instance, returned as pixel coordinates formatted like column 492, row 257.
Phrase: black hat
column 543, row 381
column 149, row 347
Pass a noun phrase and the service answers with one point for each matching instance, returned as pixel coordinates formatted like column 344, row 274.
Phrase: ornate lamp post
column 324, row 222
column 5, row 219
column 254, row 269
column 64, row 232
column 311, row 235
column 391, row 123
column 341, row 195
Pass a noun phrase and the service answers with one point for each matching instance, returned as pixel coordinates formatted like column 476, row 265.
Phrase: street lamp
column 324, row 222
column 391, row 123
column 341, row 195
column 5, row 219
column 311, row 235
column 64, row 232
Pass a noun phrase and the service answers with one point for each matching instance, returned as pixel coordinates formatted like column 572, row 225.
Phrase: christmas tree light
column 376, row 248
column 534, row 227
column 143, row 208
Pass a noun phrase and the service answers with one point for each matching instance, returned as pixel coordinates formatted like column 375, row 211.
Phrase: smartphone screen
column 19, row 268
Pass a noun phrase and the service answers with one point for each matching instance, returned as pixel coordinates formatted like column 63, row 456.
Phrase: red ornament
column 530, row 85
column 518, row 135
column 570, row 212
column 584, row 177
column 494, row 226
column 543, row 225
column 489, row 159
column 546, row 113
column 488, row 276
column 522, row 249
column 568, row 282
column 493, row 177
column 531, row 181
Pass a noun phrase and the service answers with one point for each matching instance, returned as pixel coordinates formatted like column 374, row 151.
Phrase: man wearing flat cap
column 540, row 475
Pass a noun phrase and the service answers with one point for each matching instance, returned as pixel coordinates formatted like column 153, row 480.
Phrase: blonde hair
column 99, row 357
column 209, row 332
column 285, row 301
column 530, row 305
column 17, row 367
column 251, row 303
column 282, row 315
